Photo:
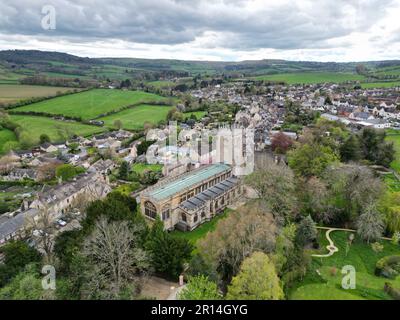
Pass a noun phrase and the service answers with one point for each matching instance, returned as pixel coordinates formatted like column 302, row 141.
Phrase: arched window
column 203, row 214
column 150, row 210
column 165, row 212
column 195, row 218
column 183, row 217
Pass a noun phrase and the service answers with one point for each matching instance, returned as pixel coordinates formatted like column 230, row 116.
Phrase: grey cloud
column 287, row 26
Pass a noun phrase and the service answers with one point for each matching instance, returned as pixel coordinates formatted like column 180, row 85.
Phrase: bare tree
column 42, row 229
column 370, row 225
column 116, row 260
column 250, row 228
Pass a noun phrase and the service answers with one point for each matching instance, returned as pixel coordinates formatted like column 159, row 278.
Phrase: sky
column 217, row 30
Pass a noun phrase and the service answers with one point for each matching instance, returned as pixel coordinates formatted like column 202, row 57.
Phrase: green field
column 371, row 85
column 311, row 77
column 327, row 286
column 394, row 136
column 6, row 136
column 135, row 117
column 10, row 93
column 162, row 84
column 92, row 104
column 56, row 130
column 198, row 114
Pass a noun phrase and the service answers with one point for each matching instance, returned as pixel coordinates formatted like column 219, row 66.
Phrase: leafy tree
column 306, row 231
column 350, row 149
column 115, row 207
column 389, row 207
column 17, row 254
column 26, row 285
column 256, row 280
column 73, row 147
column 67, row 171
column 284, row 247
column 370, row 225
column 168, row 253
column 374, row 147
column 143, row 146
column 311, row 160
column 44, row 138
column 200, row 288
column 281, row 143
column 123, row 172
column 118, row 124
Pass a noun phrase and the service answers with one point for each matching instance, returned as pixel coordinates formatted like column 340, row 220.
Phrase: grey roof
column 199, row 200
column 16, row 223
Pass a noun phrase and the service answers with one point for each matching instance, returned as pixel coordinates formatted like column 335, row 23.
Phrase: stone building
column 186, row 201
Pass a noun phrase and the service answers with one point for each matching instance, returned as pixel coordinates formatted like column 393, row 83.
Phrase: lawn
column 327, row 286
column 201, row 231
column 394, row 136
column 371, row 85
column 134, row 118
column 311, row 77
column 91, row 104
column 6, row 136
column 56, row 130
column 10, row 93
column 198, row 114
column 141, row 167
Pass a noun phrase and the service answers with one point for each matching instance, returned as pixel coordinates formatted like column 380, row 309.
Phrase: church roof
column 187, row 181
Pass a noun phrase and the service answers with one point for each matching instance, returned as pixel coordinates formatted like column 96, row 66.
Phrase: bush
column 393, row 292
column 388, row 267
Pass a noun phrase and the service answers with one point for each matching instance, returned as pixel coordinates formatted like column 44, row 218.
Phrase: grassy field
column 56, row 130
column 91, row 104
column 10, row 93
column 162, row 84
column 141, row 167
column 327, row 285
column 311, row 77
column 198, row 114
column 394, row 136
column 6, row 136
column 135, row 117
column 371, row 85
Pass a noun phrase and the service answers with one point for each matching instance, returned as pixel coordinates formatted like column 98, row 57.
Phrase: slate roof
column 198, row 200
column 14, row 224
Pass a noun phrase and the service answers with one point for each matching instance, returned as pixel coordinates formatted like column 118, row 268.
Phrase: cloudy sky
column 233, row 30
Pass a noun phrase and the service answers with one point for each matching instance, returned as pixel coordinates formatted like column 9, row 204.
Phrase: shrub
column 388, row 266
column 393, row 292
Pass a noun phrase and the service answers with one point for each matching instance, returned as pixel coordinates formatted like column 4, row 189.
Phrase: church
column 186, row 201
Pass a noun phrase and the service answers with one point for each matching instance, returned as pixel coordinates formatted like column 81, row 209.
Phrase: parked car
column 61, row 222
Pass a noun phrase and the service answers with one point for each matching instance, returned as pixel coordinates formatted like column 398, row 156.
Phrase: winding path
column 331, row 246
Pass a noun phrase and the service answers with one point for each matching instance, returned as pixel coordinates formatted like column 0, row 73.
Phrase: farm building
column 187, row 200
